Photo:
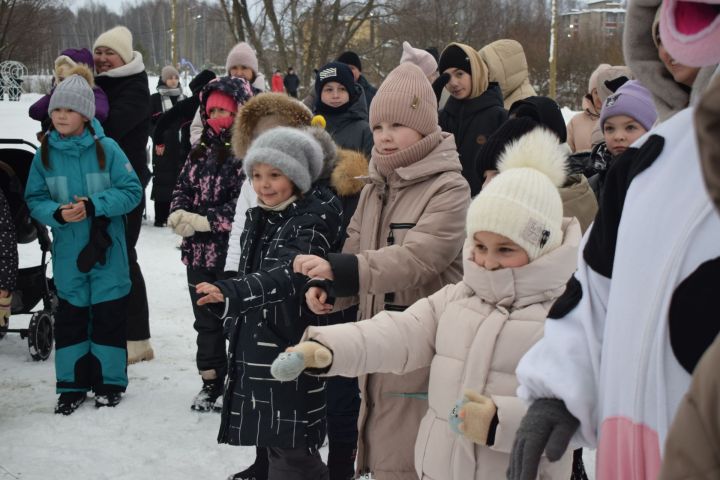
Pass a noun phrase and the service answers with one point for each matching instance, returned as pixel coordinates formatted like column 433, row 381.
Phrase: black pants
column 211, row 348
column 162, row 211
column 295, row 464
column 138, row 317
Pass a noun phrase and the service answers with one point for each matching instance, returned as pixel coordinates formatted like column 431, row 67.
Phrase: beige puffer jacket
column 408, row 235
column 508, row 66
column 472, row 335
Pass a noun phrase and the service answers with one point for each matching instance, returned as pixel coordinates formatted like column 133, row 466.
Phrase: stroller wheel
column 40, row 335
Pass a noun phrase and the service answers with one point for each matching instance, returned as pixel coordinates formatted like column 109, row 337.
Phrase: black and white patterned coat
column 8, row 247
column 264, row 313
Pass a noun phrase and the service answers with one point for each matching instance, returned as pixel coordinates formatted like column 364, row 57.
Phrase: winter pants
column 162, row 211
column 295, row 464
column 138, row 317
column 90, row 347
column 211, row 351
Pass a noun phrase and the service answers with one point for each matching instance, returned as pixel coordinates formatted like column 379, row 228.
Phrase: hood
column 641, row 56
column 508, row 67
column 287, row 112
column 135, row 66
column 609, row 74
column 539, row 281
column 351, row 170
column 479, row 74
column 237, row 88
column 82, row 141
column 84, row 72
column 444, row 158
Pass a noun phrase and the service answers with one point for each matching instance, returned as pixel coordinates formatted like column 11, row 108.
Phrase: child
column 8, row 260
column 340, row 101
column 81, row 184
column 518, row 255
column 203, row 205
column 475, row 107
column 404, row 243
column 262, row 305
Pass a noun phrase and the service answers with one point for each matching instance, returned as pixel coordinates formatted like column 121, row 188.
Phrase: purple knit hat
column 80, row 55
column 633, row 100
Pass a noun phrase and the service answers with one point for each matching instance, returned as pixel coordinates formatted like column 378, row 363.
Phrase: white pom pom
column 539, row 149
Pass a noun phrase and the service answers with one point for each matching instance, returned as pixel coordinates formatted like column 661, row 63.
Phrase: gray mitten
column 547, row 425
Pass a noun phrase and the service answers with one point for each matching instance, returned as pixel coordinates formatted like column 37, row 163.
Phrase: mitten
column 184, row 229
column 5, row 303
column 476, row 417
column 175, row 217
column 439, row 84
column 548, row 426
column 290, row 364
column 199, row 223
column 99, row 242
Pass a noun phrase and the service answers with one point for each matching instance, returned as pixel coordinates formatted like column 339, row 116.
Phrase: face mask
column 221, row 123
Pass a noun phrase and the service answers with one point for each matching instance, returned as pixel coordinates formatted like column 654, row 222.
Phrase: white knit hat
column 119, row 39
column 523, row 203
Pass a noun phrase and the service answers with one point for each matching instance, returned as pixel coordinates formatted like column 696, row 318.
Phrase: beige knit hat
column 421, row 58
column 119, row 39
column 406, row 97
column 522, row 203
column 168, row 72
column 242, row 54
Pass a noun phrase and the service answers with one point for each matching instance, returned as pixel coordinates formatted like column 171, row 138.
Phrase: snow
column 153, row 433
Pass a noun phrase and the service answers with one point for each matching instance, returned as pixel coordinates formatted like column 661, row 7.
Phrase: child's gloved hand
column 184, row 229
column 199, row 223
column 547, row 425
column 475, row 416
column 5, row 303
column 290, row 364
column 175, row 217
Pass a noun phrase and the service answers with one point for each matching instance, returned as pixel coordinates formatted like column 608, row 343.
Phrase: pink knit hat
column 690, row 31
column 406, row 97
column 242, row 54
column 421, row 58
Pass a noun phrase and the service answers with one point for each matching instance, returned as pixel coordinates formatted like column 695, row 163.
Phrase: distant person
column 352, row 60
column 277, row 82
column 291, row 82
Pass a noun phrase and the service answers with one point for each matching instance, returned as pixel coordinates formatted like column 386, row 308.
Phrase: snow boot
column 110, row 399
column 211, row 390
column 256, row 471
column 218, row 405
column 139, row 350
column 68, row 402
column 341, row 460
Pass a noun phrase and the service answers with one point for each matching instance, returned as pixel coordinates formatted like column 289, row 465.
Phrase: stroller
column 32, row 282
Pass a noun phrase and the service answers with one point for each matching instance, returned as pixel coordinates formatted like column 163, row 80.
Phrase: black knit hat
column 334, row 72
column 350, row 58
column 490, row 152
column 200, row 80
column 454, row 57
column 543, row 110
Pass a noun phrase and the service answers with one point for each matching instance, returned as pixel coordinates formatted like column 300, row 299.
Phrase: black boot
column 110, row 399
column 256, row 471
column 341, row 460
column 211, row 390
column 68, row 402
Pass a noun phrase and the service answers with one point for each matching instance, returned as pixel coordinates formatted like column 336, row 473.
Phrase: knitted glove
column 5, row 303
column 175, row 217
column 291, row 363
column 547, row 425
column 199, row 223
column 476, row 417
column 439, row 84
column 184, row 229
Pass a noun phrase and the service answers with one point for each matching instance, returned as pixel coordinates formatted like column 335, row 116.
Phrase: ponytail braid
column 99, row 150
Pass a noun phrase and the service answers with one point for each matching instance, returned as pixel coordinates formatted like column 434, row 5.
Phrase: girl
column 203, row 205
column 475, row 107
column 518, row 256
column 263, row 309
column 340, row 101
column 81, row 184
column 167, row 165
column 404, row 242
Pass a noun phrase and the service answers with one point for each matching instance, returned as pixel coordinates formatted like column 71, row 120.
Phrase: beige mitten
column 477, row 416
column 199, row 223
column 5, row 303
column 184, row 229
column 175, row 218
column 291, row 363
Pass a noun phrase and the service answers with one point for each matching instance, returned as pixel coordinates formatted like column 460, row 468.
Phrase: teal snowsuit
column 90, row 345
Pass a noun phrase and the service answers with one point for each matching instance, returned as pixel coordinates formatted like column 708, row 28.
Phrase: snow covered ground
column 152, row 434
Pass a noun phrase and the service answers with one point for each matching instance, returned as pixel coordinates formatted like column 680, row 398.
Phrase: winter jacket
column 581, row 127
column 291, row 82
column 114, row 191
column 266, row 317
column 692, row 449
column 39, row 110
column 471, row 335
column 167, row 166
column 406, row 236
column 196, row 126
column 128, row 122
column 8, row 247
column 277, row 83
column 641, row 55
column 210, row 186
column 508, row 67
column 579, row 200
column 368, row 89
column 350, row 129
column 621, row 354
column 472, row 121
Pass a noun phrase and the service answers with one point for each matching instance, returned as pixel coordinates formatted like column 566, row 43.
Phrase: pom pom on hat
column 242, row 54
column 523, row 203
column 119, row 39
column 424, row 60
column 296, row 153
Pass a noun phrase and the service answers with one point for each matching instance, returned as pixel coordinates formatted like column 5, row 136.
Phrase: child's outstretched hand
column 290, row 364
column 210, row 293
column 316, row 299
column 313, row 266
column 476, row 415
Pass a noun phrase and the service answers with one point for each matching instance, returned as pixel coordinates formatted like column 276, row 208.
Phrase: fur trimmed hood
column 350, row 169
column 289, row 113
